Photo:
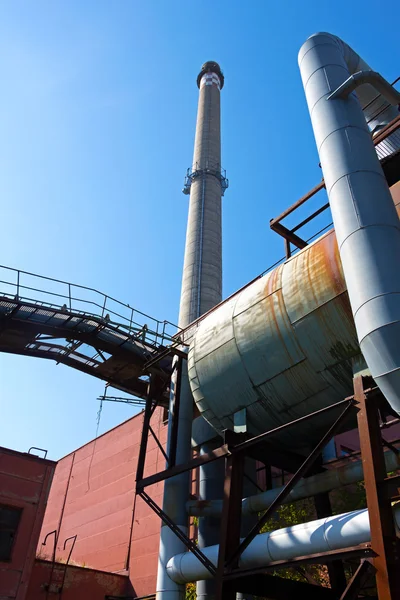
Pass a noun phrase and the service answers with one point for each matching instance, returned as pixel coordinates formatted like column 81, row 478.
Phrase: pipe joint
column 380, row 84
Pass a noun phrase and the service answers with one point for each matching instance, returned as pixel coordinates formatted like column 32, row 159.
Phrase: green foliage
column 287, row 516
column 291, row 514
column 349, row 498
column 343, row 500
column 190, row 591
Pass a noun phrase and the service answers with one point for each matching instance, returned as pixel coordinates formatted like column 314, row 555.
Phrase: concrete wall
column 202, row 268
column 24, row 483
column 93, row 497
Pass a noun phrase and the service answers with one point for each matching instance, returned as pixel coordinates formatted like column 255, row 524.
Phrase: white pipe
column 316, row 484
column 323, row 535
column 365, row 219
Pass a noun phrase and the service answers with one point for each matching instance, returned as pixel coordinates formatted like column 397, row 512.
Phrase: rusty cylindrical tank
column 281, row 348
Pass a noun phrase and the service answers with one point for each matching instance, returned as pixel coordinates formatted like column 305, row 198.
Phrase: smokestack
column 206, row 183
column 201, row 290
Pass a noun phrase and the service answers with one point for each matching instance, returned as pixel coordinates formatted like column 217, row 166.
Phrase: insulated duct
column 311, row 486
column 366, row 224
column 323, row 535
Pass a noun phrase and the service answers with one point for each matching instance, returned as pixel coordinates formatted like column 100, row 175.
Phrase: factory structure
column 286, row 391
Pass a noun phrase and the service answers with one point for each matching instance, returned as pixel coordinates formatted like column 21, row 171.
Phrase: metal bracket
column 310, row 460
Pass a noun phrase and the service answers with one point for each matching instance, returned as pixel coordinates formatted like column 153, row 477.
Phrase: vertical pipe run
column 176, row 489
column 211, row 480
column 365, row 219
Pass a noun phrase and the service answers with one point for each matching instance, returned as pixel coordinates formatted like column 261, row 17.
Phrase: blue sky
column 97, row 118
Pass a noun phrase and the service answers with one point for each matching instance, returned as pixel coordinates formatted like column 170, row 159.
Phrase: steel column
column 383, row 534
column 231, row 518
column 310, row 460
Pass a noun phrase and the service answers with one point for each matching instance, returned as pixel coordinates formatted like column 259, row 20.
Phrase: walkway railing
column 55, row 293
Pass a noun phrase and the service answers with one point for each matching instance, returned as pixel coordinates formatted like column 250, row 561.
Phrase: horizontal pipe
column 375, row 79
column 323, row 535
column 317, row 484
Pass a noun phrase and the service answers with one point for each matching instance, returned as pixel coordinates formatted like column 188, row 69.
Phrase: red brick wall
column 93, row 495
column 24, row 483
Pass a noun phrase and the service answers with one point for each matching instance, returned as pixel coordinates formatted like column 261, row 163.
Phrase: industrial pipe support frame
column 379, row 488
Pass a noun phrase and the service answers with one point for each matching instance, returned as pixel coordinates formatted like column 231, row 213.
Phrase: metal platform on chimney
column 84, row 329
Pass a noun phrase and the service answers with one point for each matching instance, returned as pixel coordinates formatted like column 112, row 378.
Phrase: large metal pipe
column 211, row 486
column 176, row 490
column 311, row 486
column 323, row 535
column 366, row 223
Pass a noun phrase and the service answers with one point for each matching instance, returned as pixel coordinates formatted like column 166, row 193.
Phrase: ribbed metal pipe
column 323, row 535
column 366, row 224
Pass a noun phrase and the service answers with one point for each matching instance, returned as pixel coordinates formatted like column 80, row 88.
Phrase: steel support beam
column 383, row 534
column 192, row 546
column 277, row 588
column 231, row 517
column 358, row 580
column 307, row 464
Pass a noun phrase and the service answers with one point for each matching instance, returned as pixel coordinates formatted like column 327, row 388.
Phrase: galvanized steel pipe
column 176, row 491
column 316, row 484
column 323, row 535
column 366, row 223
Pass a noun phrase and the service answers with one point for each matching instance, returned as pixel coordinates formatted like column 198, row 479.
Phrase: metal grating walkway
column 88, row 331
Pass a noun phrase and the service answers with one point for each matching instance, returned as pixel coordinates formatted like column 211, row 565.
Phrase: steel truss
column 379, row 557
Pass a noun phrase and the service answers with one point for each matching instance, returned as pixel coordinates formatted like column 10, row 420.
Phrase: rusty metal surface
column 382, row 525
column 80, row 583
column 84, row 329
column 282, row 348
column 387, row 143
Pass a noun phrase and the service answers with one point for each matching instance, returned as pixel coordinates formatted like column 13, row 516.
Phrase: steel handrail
column 157, row 329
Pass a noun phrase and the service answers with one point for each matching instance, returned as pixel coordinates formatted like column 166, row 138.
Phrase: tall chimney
column 206, row 184
column 201, row 290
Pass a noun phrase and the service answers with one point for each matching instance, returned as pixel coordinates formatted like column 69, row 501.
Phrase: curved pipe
column 323, row 535
column 370, row 77
column 367, row 226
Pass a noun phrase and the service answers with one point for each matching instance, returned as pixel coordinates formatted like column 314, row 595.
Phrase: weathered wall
column 80, row 583
column 93, row 497
column 24, row 483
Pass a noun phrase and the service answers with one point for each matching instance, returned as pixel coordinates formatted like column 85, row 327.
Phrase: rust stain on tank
column 273, row 293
